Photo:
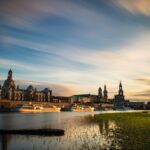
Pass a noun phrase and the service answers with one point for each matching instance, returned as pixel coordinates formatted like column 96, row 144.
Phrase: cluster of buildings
column 101, row 97
column 10, row 91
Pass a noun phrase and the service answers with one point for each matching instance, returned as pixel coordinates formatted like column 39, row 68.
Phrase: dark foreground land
column 132, row 130
column 43, row 132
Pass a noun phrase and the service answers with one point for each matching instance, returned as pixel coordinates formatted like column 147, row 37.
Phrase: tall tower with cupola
column 120, row 96
column 100, row 95
column 8, row 86
column 10, row 74
column 120, row 92
column 105, row 92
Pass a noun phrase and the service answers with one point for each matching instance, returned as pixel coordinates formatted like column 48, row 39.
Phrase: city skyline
column 24, row 86
column 17, row 84
column 77, row 46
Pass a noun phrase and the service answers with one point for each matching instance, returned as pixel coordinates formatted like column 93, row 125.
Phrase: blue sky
column 75, row 46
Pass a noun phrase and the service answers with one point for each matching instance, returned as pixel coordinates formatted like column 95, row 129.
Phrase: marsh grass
column 132, row 132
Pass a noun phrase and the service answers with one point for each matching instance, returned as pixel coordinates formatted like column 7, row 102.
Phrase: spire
column 105, row 91
column 120, row 85
column 100, row 92
column 120, row 89
column 100, row 89
column 10, row 74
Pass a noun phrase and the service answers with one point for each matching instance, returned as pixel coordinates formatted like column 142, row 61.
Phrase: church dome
column 46, row 90
column 30, row 88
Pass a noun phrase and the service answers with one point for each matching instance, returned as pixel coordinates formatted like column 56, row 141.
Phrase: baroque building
column 119, row 99
column 11, row 92
column 83, row 98
column 120, row 96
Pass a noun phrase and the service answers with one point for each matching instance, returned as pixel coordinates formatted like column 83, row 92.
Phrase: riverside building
column 9, row 91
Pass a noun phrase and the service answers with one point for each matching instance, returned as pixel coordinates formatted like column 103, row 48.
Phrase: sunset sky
column 75, row 46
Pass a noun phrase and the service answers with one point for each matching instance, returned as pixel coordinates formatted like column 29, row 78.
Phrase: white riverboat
column 76, row 108
column 88, row 108
column 36, row 108
column 82, row 108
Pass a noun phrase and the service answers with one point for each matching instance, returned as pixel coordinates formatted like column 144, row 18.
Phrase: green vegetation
column 124, row 116
column 132, row 130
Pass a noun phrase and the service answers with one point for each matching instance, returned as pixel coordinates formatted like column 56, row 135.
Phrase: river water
column 81, row 131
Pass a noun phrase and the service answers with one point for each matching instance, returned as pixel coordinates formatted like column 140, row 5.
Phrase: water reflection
column 108, row 131
column 81, row 132
column 4, row 141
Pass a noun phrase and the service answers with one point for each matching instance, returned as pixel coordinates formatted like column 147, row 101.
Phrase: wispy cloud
column 110, row 65
column 7, row 63
column 143, row 94
column 57, row 89
column 144, row 80
column 78, row 44
column 19, row 12
column 135, row 6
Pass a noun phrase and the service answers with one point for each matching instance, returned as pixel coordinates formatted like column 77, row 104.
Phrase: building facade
column 119, row 99
column 120, row 96
column 83, row 98
column 9, row 91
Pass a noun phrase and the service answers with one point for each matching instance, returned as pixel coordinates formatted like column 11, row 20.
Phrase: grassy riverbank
column 132, row 130
column 124, row 116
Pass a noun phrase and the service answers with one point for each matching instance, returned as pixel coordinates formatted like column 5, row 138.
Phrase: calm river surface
column 81, row 132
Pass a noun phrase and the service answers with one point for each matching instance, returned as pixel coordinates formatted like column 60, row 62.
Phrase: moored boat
column 76, row 108
column 36, row 108
column 88, row 108
column 82, row 108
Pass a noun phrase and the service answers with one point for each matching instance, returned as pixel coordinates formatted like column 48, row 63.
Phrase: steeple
column 120, row 86
column 10, row 73
column 105, row 93
column 100, row 92
column 120, row 89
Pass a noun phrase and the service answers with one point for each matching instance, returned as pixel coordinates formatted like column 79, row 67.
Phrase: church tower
column 105, row 94
column 8, row 86
column 10, row 73
column 120, row 92
column 100, row 95
column 119, row 98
